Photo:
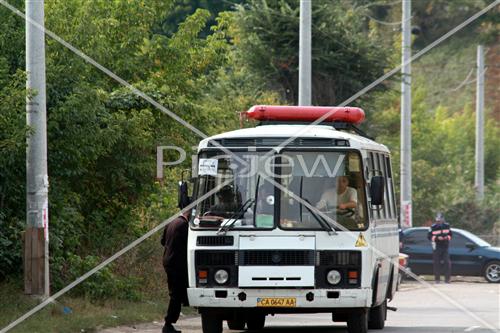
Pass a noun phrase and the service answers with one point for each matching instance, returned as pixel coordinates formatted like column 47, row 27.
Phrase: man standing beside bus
column 174, row 239
column 440, row 236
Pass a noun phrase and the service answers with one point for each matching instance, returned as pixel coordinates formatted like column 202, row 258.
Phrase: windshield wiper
column 322, row 221
column 244, row 207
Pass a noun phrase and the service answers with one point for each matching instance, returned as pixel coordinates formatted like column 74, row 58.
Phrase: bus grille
column 277, row 257
column 214, row 240
column 339, row 258
column 215, row 258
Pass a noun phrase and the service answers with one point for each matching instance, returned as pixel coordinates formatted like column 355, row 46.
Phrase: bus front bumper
column 304, row 298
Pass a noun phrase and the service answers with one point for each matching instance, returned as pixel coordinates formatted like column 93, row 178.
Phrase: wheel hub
column 494, row 272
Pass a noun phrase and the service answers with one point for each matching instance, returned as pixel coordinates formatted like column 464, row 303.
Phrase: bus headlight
column 221, row 276
column 333, row 277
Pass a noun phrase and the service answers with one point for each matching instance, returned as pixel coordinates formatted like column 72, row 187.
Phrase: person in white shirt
column 342, row 197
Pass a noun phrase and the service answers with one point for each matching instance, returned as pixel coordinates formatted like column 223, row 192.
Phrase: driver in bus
column 341, row 197
column 226, row 202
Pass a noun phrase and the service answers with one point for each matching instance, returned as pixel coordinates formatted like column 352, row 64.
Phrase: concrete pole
column 479, row 176
column 37, row 185
column 406, row 182
column 305, row 53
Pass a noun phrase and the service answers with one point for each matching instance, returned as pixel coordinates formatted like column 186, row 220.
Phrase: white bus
column 293, row 218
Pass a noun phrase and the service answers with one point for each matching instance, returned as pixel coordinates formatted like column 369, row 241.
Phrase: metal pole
column 479, row 176
column 406, row 193
column 37, row 185
column 305, row 53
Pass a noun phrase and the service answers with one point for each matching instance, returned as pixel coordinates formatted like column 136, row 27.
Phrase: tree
column 345, row 57
column 443, row 160
column 183, row 8
column 101, row 137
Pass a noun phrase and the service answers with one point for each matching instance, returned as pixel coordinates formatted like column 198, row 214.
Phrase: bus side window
column 380, row 172
column 373, row 171
column 383, row 169
column 390, row 188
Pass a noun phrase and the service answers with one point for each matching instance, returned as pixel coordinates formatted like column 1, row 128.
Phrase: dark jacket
column 440, row 233
column 174, row 239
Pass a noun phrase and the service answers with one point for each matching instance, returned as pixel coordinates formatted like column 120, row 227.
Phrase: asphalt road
column 419, row 310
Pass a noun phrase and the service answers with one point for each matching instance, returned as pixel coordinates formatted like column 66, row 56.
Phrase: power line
column 465, row 82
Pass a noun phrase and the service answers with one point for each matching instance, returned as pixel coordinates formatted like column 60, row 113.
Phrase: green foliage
column 205, row 65
column 473, row 216
column 12, row 167
column 111, row 32
column 436, row 17
column 102, row 285
column 85, row 316
column 101, row 138
column 184, row 8
column 12, row 54
column 344, row 59
column 443, row 160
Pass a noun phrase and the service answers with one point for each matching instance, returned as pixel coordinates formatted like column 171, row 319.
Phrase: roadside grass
column 76, row 313
column 84, row 315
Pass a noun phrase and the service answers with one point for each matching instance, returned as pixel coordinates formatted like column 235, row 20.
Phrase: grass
column 84, row 316
column 88, row 315
column 142, row 264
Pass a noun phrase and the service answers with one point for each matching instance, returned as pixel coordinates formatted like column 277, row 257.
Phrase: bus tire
column 378, row 315
column 256, row 321
column 210, row 323
column 236, row 324
column 358, row 322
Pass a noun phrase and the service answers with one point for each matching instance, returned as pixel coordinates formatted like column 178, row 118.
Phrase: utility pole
column 479, row 176
column 36, row 250
column 305, row 53
column 406, row 193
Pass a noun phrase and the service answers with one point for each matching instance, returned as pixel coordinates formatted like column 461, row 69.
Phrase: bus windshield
column 289, row 190
column 241, row 191
column 331, row 182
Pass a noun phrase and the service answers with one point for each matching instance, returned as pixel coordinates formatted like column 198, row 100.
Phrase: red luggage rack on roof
column 341, row 118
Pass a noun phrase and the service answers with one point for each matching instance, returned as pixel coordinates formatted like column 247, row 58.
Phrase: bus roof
column 300, row 131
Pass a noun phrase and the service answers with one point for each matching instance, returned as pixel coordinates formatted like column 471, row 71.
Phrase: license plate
column 278, row 302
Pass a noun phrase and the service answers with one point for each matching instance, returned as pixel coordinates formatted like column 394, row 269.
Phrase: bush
column 102, row 285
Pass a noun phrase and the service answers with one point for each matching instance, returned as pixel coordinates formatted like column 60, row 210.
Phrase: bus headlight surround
column 333, row 277
column 221, row 276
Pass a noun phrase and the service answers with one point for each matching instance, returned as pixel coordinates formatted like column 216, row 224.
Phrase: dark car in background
column 470, row 255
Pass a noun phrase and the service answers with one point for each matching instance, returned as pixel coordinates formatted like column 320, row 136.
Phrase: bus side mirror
column 183, row 198
column 377, row 190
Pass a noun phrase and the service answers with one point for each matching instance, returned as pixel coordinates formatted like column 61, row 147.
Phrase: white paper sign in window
column 208, row 166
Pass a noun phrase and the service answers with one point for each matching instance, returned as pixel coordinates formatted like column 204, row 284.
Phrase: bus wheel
column 210, row 323
column 237, row 324
column 358, row 322
column 378, row 315
column 256, row 322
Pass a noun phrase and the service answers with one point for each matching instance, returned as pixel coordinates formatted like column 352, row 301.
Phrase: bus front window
column 330, row 182
column 235, row 190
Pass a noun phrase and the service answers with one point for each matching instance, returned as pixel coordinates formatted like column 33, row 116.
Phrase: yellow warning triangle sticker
column 361, row 242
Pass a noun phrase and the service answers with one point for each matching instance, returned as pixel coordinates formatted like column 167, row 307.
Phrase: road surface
column 420, row 310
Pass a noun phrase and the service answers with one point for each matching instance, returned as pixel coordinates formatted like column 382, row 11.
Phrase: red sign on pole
column 407, row 214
